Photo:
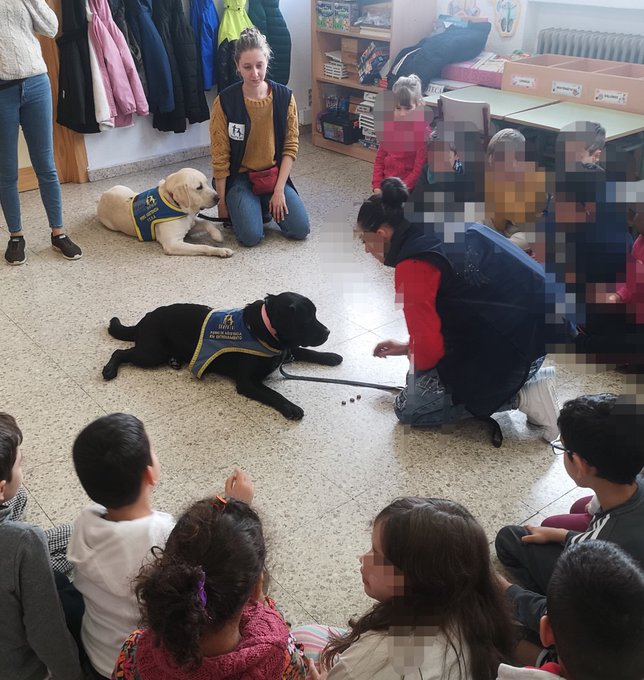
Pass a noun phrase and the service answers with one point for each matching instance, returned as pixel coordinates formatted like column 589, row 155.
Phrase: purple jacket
column 122, row 83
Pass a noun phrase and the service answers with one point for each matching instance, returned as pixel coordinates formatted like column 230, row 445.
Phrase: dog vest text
column 223, row 331
column 148, row 209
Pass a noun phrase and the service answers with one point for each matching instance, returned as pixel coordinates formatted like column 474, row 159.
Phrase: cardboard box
column 597, row 82
column 325, row 12
column 344, row 15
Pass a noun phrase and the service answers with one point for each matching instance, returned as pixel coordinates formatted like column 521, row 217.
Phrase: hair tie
column 201, row 590
column 219, row 503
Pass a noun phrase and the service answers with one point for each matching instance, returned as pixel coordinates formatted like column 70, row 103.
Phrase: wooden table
column 617, row 123
column 502, row 103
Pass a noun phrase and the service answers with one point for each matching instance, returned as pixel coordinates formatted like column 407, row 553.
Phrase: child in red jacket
column 402, row 139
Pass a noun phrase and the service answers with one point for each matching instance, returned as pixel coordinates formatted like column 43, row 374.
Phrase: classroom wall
column 617, row 16
column 142, row 142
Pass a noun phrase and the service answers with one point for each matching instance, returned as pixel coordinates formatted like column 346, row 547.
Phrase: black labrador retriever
column 246, row 344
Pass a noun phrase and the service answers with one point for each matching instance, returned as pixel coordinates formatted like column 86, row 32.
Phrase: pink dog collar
column 267, row 322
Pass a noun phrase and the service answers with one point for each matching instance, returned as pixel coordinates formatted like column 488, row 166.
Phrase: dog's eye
column 200, row 187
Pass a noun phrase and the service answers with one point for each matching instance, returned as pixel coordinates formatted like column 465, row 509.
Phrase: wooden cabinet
column 411, row 20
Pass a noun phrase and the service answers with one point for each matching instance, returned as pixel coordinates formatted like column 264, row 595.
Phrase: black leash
column 353, row 383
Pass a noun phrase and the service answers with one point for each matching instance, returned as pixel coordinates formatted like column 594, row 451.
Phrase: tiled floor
column 319, row 481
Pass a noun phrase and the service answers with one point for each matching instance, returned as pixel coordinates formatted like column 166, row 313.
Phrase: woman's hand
column 277, row 205
column 391, row 348
column 314, row 673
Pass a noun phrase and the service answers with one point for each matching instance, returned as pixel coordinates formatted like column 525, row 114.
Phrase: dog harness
column 223, row 331
column 148, row 209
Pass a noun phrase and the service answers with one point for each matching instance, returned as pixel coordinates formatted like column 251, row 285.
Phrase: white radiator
column 592, row 44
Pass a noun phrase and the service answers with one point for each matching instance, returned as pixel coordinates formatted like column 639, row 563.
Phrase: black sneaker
column 15, row 253
column 68, row 249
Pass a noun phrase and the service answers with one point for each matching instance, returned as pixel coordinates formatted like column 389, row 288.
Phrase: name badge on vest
column 237, row 131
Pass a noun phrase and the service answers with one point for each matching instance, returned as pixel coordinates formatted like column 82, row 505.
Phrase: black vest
column 232, row 104
column 491, row 303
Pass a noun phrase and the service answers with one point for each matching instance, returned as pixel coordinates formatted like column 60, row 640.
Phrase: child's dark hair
column 596, row 610
column 607, row 431
column 444, row 557
column 10, row 440
column 385, row 208
column 591, row 134
column 110, row 456
column 216, row 543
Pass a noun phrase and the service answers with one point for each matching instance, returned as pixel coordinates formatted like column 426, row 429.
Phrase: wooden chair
column 456, row 110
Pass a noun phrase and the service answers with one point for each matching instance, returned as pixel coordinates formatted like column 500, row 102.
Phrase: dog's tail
column 117, row 330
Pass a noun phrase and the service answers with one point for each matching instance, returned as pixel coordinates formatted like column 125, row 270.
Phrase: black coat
column 427, row 57
column 185, row 67
column 75, row 94
column 267, row 17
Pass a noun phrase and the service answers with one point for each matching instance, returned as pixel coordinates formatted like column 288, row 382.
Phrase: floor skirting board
column 146, row 163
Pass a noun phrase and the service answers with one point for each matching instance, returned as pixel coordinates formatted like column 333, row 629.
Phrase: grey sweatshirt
column 33, row 634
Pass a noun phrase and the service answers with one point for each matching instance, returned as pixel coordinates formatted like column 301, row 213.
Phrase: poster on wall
column 468, row 8
column 506, row 16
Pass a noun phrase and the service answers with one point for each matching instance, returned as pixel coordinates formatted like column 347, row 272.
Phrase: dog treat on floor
column 352, row 400
column 344, row 403
column 359, row 396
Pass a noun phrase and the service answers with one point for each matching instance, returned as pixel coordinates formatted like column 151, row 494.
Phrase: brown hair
column 211, row 563
column 10, row 440
column 252, row 39
column 443, row 554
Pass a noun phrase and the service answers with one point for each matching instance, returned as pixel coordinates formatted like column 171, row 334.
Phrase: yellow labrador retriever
column 166, row 213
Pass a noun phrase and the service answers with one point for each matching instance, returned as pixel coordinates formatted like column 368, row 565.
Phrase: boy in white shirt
column 113, row 537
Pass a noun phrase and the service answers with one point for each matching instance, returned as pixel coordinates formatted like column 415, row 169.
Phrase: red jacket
column 632, row 291
column 401, row 152
column 417, row 283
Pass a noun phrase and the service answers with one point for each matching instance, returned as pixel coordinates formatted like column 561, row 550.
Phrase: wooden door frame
column 70, row 153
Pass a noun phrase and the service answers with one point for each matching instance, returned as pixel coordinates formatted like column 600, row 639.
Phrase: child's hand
column 314, row 673
column 377, row 191
column 544, row 535
column 240, row 486
column 503, row 582
column 614, row 297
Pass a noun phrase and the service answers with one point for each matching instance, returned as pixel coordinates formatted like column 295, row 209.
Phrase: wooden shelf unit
column 411, row 20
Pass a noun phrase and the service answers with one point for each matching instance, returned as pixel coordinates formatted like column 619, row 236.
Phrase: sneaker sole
column 75, row 257
column 15, row 264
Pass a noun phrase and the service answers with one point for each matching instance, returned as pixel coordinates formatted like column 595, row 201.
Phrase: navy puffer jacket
column 266, row 15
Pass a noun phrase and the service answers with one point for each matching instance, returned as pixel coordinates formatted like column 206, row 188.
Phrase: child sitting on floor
column 203, row 610
column 602, row 445
column 439, row 611
column 401, row 150
column 112, row 537
column 595, row 618
column 34, row 641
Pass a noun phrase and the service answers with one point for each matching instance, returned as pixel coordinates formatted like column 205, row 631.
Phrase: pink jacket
column 632, row 292
column 122, row 83
column 401, row 152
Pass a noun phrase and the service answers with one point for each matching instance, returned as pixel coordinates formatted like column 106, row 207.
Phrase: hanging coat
column 267, row 17
column 234, row 21
column 122, row 84
column 205, row 24
column 102, row 104
column 155, row 58
column 179, row 41
column 75, row 89
column 117, row 7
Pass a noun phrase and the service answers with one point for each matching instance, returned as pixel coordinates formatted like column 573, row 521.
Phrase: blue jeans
column 28, row 105
column 425, row 402
column 249, row 212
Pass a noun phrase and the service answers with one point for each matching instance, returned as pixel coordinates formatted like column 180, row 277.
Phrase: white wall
column 616, row 16
column 142, row 141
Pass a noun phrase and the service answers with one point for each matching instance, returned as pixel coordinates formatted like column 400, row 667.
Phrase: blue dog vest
column 148, row 209
column 224, row 331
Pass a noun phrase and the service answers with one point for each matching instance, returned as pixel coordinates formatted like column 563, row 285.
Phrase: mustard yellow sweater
column 260, row 147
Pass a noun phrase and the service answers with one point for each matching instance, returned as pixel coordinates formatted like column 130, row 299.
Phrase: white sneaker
column 538, row 400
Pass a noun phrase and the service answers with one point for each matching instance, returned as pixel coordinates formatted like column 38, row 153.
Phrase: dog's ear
column 181, row 195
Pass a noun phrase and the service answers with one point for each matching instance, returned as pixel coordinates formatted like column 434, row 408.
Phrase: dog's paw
column 291, row 411
column 174, row 363
column 109, row 372
column 225, row 252
column 330, row 359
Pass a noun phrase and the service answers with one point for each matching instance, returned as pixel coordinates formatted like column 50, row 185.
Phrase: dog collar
column 267, row 322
